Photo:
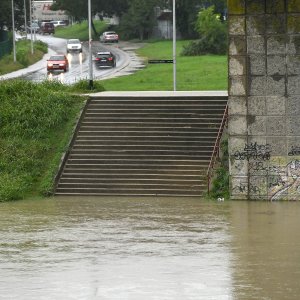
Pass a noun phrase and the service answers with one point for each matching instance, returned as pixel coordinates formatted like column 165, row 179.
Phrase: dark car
column 57, row 63
column 47, row 28
column 105, row 59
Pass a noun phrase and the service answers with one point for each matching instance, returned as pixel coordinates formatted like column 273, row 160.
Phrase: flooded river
column 149, row 249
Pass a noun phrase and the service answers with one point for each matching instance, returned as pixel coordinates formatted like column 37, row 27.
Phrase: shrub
column 213, row 35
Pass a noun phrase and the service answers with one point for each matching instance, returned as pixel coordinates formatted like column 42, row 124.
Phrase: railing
column 216, row 150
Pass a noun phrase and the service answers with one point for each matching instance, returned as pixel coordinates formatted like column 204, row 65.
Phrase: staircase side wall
column 264, row 99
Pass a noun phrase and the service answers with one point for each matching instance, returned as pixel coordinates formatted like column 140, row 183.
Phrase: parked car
column 57, row 62
column 109, row 37
column 47, row 28
column 58, row 23
column 74, row 45
column 105, row 59
column 34, row 27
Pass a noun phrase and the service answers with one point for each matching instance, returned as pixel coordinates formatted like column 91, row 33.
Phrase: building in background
column 42, row 12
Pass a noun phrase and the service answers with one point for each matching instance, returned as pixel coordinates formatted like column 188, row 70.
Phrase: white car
column 58, row 23
column 109, row 37
column 74, row 45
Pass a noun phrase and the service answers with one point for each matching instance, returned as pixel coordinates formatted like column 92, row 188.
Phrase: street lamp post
column 174, row 46
column 13, row 29
column 25, row 18
column 90, row 46
column 30, row 23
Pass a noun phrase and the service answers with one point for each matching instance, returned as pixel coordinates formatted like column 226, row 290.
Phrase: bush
column 213, row 35
column 220, row 184
column 36, row 122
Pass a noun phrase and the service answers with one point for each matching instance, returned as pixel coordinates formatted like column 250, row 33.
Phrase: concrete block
column 258, row 187
column 293, row 86
column 237, row 85
column 257, row 105
column 237, row 106
column 293, row 24
column 275, row 105
column 276, row 44
column 293, row 106
column 255, row 7
column 256, row 45
column 275, row 6
column 293, row 64
column 276, row 86
column 276, row 65
column 239, row 168
column 237, row 65
column 237, row 125
column 293, row 125
column 257, row 64
column 237, row 46
column 275, row 24
column 257, row 85
column 236, row 25
column 293, row 6
column 293, row 44
column 256, row 25
column 257, row 125
column 236, row 7
column 293, row 147
column 276, row 125
column 239, row 187
column 277, row 146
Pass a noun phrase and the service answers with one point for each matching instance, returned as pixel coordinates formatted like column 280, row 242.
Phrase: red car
column 57, row 62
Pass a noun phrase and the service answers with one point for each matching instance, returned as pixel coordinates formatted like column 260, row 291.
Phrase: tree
column 212, row 32
column 187, row 10
column 5, row 13
column 139, row 20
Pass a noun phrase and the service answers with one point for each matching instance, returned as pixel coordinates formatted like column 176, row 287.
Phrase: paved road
column 127, row 62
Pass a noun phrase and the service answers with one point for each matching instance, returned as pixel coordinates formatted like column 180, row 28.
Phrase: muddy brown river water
column 149, row 249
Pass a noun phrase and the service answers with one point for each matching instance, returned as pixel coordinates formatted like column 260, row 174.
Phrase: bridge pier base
column 264, row 99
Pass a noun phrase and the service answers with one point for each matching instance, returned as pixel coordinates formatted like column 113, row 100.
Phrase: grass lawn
column 80, row 31
column 207, row 72
column 23, row 56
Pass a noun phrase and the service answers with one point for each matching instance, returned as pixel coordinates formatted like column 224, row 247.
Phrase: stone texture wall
column 264, row 99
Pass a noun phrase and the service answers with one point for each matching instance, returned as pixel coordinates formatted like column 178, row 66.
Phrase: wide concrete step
column 135, row 146
column 137, row 171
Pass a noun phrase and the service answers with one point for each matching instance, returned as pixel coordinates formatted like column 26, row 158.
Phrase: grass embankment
column 23, row 56
column 36, row 122
column 80, row 31
column 193, row 73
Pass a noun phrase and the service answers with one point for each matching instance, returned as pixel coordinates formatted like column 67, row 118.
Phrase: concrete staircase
column 143, row 146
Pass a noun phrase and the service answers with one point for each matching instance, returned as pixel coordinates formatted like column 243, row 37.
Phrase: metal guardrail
column 216, row 150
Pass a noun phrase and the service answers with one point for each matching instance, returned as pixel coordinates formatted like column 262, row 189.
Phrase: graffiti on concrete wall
column 253, row 151
column 282, row 179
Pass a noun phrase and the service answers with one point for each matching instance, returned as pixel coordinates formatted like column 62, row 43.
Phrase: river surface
column 149, row 249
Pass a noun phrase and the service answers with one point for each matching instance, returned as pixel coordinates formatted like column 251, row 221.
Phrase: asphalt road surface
column 127, row 61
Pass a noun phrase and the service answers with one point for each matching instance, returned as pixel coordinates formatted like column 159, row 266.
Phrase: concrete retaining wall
column 264, row 99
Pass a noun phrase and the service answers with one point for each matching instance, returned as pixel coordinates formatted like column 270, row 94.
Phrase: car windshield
column 105, row 55
column 57, row 57
column 73, row 42
column 110, row 32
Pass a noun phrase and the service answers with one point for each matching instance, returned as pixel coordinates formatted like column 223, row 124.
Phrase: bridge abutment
column 264, row 99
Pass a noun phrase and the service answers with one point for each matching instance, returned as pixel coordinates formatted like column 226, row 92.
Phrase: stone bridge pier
column 264, row 99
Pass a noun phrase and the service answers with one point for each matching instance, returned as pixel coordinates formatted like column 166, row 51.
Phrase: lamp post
column 90, row 46
column 174, row 46
column 30, row 22
column 25, row 18
column 13, row 30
